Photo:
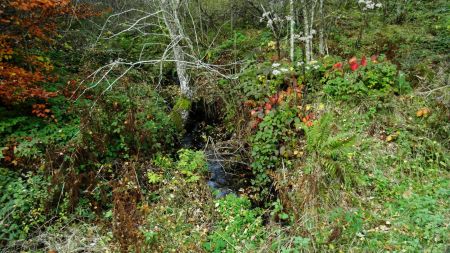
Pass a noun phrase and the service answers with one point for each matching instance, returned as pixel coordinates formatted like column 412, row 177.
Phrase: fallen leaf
column 423, row 112
column 393, row 136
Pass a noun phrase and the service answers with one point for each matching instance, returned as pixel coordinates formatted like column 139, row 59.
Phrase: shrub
column 191, row 164
column 270, row 78
column 373, row 78
column 270, row 143
column 239, row 228
column 128, row 121
column 26, row 138
column 22, row 204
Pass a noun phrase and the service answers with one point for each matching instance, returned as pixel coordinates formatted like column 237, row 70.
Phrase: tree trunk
column 306, row 31
column 311, row 25
column 170, row 15
column 291, row 3
column 171, row 20
column 321, row 30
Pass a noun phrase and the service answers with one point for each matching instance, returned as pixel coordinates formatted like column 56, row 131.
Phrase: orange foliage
column 42, row 111
column 17, row 84
column 28, row 26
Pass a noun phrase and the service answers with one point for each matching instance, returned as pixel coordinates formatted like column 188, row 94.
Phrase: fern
column 328, row 152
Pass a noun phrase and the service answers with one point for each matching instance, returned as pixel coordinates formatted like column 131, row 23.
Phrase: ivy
column 274, row 130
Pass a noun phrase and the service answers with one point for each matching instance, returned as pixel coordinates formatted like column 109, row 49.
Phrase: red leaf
column 338, row 65
column 363, row 61
column 254, row 124
column 354, row 66
column 352, row 60
column 273, row 99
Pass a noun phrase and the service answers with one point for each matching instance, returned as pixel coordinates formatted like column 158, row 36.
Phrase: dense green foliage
column 23, row 204
column 273, row 140
column 375, row 79
column 127, row 120
column 348, row 152
column 239, row 228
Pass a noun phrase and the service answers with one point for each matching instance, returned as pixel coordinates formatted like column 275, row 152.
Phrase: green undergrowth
column 402, row 168
column 354, row 171
column 238, row 227
column 335, row 157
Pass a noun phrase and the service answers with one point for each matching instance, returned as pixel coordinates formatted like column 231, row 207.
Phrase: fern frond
column 317, row 134
column 340, row 141
column 330, row 167
column 324, row 128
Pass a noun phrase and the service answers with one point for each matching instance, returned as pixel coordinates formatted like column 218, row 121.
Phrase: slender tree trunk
column 321, row 29
column 278, row 48
column 311, row 26
column 306, row 31
column 173, row 24
column 171, row 20
column 291, row 3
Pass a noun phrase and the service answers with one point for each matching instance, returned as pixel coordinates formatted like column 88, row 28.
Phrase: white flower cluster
column 369, row 4
column 276, row 71
column 310, row 65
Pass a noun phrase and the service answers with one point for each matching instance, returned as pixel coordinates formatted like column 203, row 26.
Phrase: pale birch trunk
column 171, row 20
column 170, row 15
column 292, row 29
column 306, row 31
column 311, row 26
column 321, row 30
column 308, row 23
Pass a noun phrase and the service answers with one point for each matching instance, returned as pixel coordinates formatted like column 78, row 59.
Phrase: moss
column 182, row 104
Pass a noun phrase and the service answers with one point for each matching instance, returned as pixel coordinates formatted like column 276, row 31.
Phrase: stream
column 219, row 181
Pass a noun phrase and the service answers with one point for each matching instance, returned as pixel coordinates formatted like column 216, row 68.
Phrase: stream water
column 219, row 180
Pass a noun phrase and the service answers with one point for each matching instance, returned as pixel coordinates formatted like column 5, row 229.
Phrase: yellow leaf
column 392, row 137
column 423, row 112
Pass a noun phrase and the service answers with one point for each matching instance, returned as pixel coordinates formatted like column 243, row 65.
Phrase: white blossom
column 369, row 4
column 276, row 72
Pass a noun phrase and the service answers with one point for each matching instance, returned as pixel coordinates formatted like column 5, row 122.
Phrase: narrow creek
column 220, row 181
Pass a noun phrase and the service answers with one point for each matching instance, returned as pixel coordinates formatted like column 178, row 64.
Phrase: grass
column 401, row 200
